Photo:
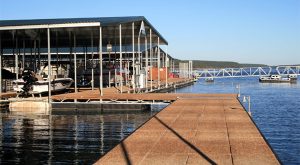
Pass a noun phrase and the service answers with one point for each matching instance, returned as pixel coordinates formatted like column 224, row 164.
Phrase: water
column 82, row 138
column 65, row 138
column 275, row 109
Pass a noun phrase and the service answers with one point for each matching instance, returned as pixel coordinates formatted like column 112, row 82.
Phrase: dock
column 114, row 94
column 192, row 129
column 195, row 129
column 92, row 99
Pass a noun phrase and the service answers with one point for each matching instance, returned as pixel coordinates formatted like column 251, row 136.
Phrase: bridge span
column 247, row 72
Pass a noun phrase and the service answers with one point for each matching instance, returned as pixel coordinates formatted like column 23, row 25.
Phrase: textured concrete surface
column 114, row 92
column 95, row 95
column 195, row 130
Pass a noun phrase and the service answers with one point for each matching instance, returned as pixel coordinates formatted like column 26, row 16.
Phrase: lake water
column 65, row 138
column 82, row 138
column 275, row 109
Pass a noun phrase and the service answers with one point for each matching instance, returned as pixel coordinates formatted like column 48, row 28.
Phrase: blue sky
column 246, row 31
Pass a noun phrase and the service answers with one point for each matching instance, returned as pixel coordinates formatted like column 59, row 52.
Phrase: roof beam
column 51, row 26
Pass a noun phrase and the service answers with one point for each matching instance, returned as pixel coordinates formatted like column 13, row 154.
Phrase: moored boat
column 209, row 79
column 35, row 84
column 41, row 86
column 292, row 78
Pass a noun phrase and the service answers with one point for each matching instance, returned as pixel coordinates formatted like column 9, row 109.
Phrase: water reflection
column 65, row 138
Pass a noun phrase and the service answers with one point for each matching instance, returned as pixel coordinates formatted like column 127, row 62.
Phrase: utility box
column 154, row 72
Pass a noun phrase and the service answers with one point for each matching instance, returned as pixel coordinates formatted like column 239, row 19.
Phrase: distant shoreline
column 218, row 64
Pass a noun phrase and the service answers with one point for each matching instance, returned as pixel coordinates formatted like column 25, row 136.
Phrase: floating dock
column 195, row 129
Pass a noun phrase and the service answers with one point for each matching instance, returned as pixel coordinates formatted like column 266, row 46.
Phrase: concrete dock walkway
column 204, row 129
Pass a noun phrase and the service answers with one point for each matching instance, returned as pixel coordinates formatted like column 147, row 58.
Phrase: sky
column 244, row 31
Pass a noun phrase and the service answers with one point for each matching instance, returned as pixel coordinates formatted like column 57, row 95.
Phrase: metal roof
column 104, row 21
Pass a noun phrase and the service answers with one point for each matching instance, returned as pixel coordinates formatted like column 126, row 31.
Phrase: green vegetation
column 218, row 64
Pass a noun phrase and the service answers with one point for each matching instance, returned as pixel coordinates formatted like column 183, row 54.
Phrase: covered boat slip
column 110, row 51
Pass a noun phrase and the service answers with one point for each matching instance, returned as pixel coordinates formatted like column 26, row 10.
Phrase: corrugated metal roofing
column 104, row 21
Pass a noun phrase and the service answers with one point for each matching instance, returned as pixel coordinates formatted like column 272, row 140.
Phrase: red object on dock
column 154, row 72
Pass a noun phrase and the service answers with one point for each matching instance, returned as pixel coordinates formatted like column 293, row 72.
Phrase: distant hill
column 218, row 64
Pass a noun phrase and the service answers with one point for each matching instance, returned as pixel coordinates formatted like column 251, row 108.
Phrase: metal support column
column 139, row 55
column 173, row 65
column 166, row 66
column 16, row 60
column 0, row 64
column 75, row 63
column 92, row 51
column 49, row 66
column 163, row 60
column 101, row 60
column 133, row 60
column 146, row 65
column 109, row 71
column 23, row 56
column 190, row 69
column 121, row 74
column 35, row 61
column 109, row 49
column 126, row 73
column 158, row 63
column 139, row 63
column 151, row 60
column 84, row 49
column 39, row 51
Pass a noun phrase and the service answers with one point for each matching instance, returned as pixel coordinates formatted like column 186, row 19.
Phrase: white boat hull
column 278, row 79
column 42, row 86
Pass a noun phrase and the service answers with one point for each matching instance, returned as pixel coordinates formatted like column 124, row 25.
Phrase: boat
column 291, row 78
column 41, row 86
column 209, row 79
column 35, row 84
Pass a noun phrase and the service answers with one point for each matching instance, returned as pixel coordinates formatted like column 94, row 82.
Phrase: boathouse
column 108, row 51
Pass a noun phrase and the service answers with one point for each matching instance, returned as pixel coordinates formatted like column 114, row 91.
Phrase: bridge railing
column 247, row 72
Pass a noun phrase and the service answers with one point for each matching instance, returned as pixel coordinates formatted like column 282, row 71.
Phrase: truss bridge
column 247, row 72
